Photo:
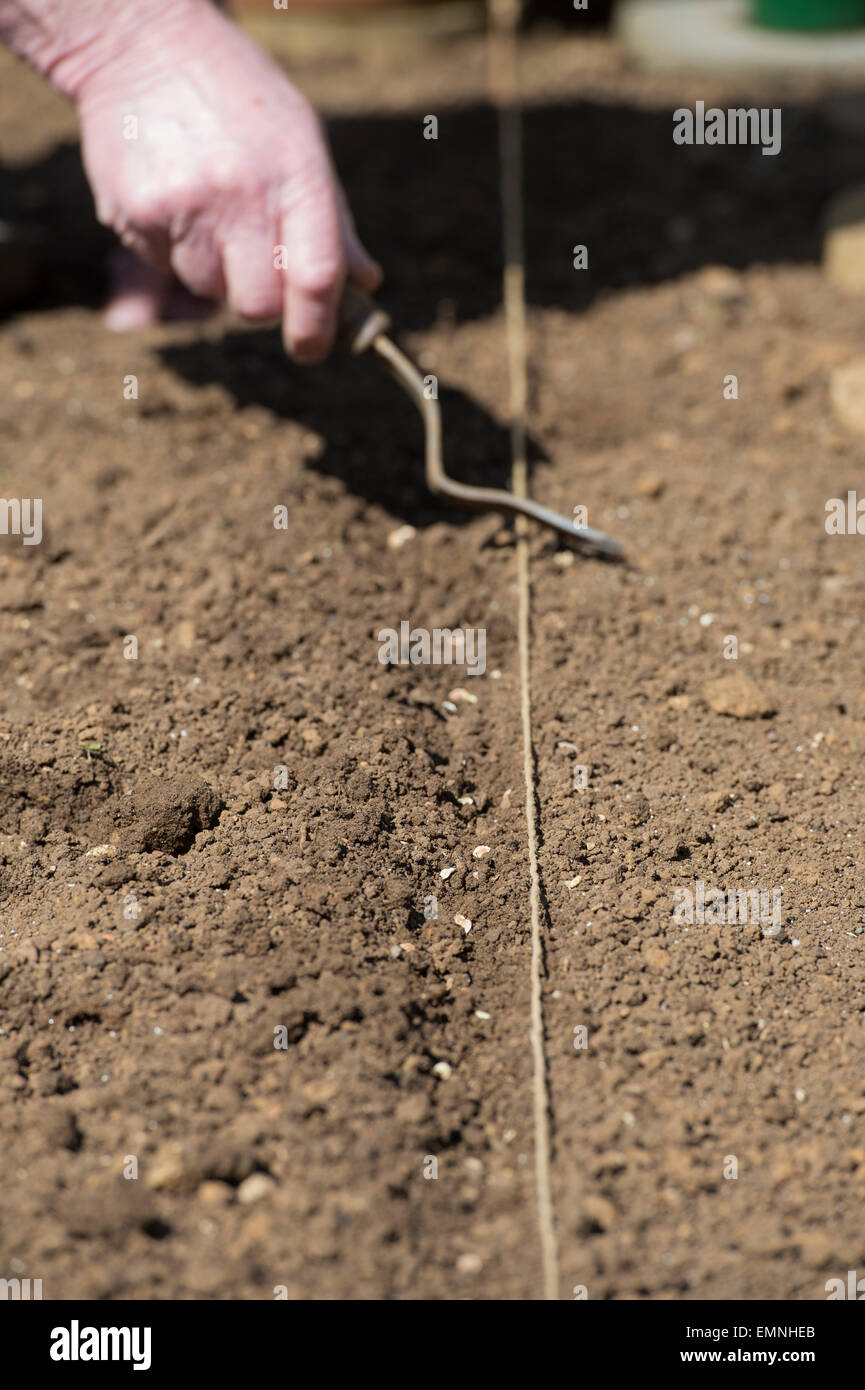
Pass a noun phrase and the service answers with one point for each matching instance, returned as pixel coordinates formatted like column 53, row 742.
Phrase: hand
column 205, row 160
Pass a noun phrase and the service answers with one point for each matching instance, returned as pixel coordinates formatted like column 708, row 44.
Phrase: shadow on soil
column 608, row 177
column 373, row 433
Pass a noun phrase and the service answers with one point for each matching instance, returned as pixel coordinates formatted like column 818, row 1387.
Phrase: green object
column 809, row 14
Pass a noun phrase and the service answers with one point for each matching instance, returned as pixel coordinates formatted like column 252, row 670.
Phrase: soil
column 232, row 1042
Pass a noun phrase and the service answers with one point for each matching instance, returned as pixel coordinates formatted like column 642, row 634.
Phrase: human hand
column 206, row 161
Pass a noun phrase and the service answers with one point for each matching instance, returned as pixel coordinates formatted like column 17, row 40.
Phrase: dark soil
column 215, row 857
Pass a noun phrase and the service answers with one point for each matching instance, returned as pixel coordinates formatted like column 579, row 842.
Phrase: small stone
column 649, row 485
column 255, row 1188
column 600, row 1211
column 168, row 1171
column 721, row 283
column 738, row 697
column 216, row 1194
column 653, row 1058
column 313, row 739
column 185, row 634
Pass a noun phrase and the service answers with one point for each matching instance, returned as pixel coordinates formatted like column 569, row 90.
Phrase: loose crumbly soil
column 147, row 786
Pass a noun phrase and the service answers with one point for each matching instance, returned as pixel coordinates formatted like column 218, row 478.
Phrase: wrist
column 70, row 41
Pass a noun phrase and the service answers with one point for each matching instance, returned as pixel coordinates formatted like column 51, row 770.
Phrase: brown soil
column 172, row 904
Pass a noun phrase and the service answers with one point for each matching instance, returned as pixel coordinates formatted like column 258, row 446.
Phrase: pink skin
column 140, row 295
column 203, row 158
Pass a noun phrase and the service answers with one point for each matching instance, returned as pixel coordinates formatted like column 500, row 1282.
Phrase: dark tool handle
column 360, row 319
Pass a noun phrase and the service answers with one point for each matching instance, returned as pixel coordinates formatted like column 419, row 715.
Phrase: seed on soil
column 470, row 1264
column 443, row 1070
column 446, row 873
column 401, row 536
column 464, row 922
column 480, row 851
column 463, row 696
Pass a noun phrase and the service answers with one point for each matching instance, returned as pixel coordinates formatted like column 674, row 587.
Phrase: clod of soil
column 737, row 696
column 160, row 815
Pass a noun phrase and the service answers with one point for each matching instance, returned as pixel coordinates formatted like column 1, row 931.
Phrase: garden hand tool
column 364, row 326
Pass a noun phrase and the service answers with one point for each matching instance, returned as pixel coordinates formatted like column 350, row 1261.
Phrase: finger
column 362, row 268
column 136, row 293
column 315, row 267
column 253, row 284
column 198, row 265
